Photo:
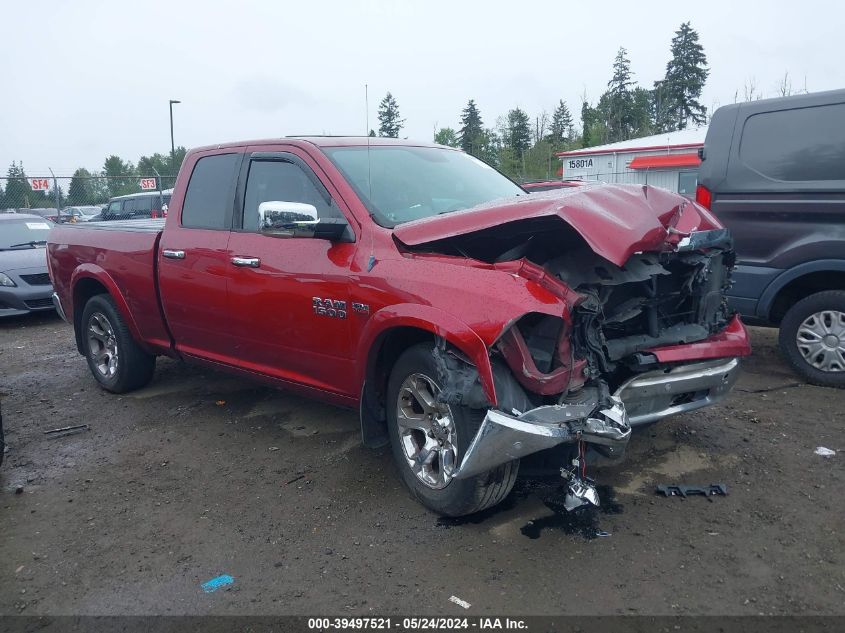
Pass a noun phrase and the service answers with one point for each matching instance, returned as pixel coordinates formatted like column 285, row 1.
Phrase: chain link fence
column 85, row 199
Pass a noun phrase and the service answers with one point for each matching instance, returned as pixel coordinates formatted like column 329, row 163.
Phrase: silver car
column 24, row 281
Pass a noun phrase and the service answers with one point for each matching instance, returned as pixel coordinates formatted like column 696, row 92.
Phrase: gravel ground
column 200, row 474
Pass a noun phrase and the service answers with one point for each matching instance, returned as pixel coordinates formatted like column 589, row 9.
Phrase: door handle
column 171, row 254
column 248, row 262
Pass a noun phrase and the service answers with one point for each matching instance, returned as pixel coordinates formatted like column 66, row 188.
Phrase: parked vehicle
column 550, row 185
column 469, row 323
column 80, row 213
column 48, row 213
column 149, row 204
column 24, row 280
column 774, row 172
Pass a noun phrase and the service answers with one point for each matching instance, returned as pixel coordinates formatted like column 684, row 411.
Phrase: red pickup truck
column 469, row 323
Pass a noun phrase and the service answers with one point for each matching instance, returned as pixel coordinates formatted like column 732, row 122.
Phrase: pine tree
column 470, row 135
column 562, row 128
column 79, row 190
column 686, row 74
column 617, row 103
column 621, row 82
column 661, row 108
column 388, row 116
column 372, row 133
column 18, row 191
column 518, row 131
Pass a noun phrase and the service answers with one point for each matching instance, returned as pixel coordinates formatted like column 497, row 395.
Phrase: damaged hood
column 615, row 220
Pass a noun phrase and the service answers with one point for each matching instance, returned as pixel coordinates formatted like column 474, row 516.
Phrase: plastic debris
column 66, row 430
column 216, row 583
column 220, row 403
column 459, row 602
column 824, row 452
column 685, row 491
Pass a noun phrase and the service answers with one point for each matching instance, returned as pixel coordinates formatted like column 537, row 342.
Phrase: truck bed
column 119, row 254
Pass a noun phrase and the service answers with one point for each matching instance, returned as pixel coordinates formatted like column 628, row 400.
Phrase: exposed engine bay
column 569, row 375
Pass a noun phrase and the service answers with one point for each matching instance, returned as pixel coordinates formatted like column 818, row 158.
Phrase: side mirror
column 278, row 218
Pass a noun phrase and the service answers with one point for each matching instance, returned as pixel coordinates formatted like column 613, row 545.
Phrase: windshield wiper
column 31, row 244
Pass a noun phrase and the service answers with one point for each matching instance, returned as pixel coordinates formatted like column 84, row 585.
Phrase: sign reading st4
column 40, row 184
column 148, row 183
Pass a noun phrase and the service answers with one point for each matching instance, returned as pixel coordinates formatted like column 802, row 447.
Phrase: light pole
column 172, row 145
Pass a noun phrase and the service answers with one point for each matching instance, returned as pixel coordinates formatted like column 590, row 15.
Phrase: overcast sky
column 85, row 79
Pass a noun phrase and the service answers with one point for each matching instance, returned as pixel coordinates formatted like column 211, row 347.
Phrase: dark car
column 773, row 171
column 149, row 204
column 24, row 281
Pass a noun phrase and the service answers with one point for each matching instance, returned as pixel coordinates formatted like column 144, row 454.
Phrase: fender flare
column 99, row 274
column 439, row 323
column 767, row 298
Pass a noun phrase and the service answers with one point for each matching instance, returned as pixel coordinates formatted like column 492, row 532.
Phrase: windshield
column 400, row 183
column 24, row 233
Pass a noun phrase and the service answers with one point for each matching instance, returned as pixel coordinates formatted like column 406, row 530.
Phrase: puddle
column 551, row 492
column 583, row 522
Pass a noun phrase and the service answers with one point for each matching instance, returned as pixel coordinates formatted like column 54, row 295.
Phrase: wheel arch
column 390, row 332
column 88, row 281
column 797, row 283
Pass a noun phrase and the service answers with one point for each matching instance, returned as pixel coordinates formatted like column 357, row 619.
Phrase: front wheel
column 429, row 438
column 114, row 358
column 812, row 338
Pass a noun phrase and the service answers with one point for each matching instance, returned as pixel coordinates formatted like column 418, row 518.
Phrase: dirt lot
column 200, row 475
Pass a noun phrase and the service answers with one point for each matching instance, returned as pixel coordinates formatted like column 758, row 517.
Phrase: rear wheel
column 429, row 438
column 114, row 358
column 812, row 338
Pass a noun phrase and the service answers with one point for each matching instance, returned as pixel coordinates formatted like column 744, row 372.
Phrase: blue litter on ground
column 215, row 583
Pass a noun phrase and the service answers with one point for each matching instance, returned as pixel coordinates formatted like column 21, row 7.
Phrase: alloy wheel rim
column 102, row 345
column 426, row 432
column 821, row 340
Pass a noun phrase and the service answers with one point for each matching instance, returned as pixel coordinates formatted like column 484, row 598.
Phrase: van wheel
column 812, row 338
column 429, row 437
column 114, row 358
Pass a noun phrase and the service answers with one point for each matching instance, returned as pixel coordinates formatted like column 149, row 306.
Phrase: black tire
column 132, row 367
column 831, row 301
column 458, row 497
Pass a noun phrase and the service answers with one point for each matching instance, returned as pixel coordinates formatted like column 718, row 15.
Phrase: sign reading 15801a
column 579, row 163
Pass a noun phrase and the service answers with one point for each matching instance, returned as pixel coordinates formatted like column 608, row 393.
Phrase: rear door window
column 801, row 144
column 211, row 193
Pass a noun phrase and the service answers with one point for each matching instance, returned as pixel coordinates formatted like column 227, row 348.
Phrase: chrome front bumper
column 648, row 397
column 58, row 305
column 502, row 438
column 656, row 395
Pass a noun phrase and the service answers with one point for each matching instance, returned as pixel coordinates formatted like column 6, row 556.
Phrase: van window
column 143, row 206
column 210, row 195
column 800, row 144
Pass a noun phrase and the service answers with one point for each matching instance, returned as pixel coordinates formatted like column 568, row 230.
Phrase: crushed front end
column 641, row 341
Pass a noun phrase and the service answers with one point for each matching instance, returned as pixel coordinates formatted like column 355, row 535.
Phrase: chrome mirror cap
column 287, row 219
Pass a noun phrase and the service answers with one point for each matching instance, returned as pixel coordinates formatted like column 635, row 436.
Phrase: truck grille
column 683, row 304
column 40, row 279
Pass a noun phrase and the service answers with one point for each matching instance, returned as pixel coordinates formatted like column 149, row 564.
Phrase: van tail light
column 154, row 214
column 703, row 196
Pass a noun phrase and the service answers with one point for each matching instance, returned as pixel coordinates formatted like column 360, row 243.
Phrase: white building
column 665, row 160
